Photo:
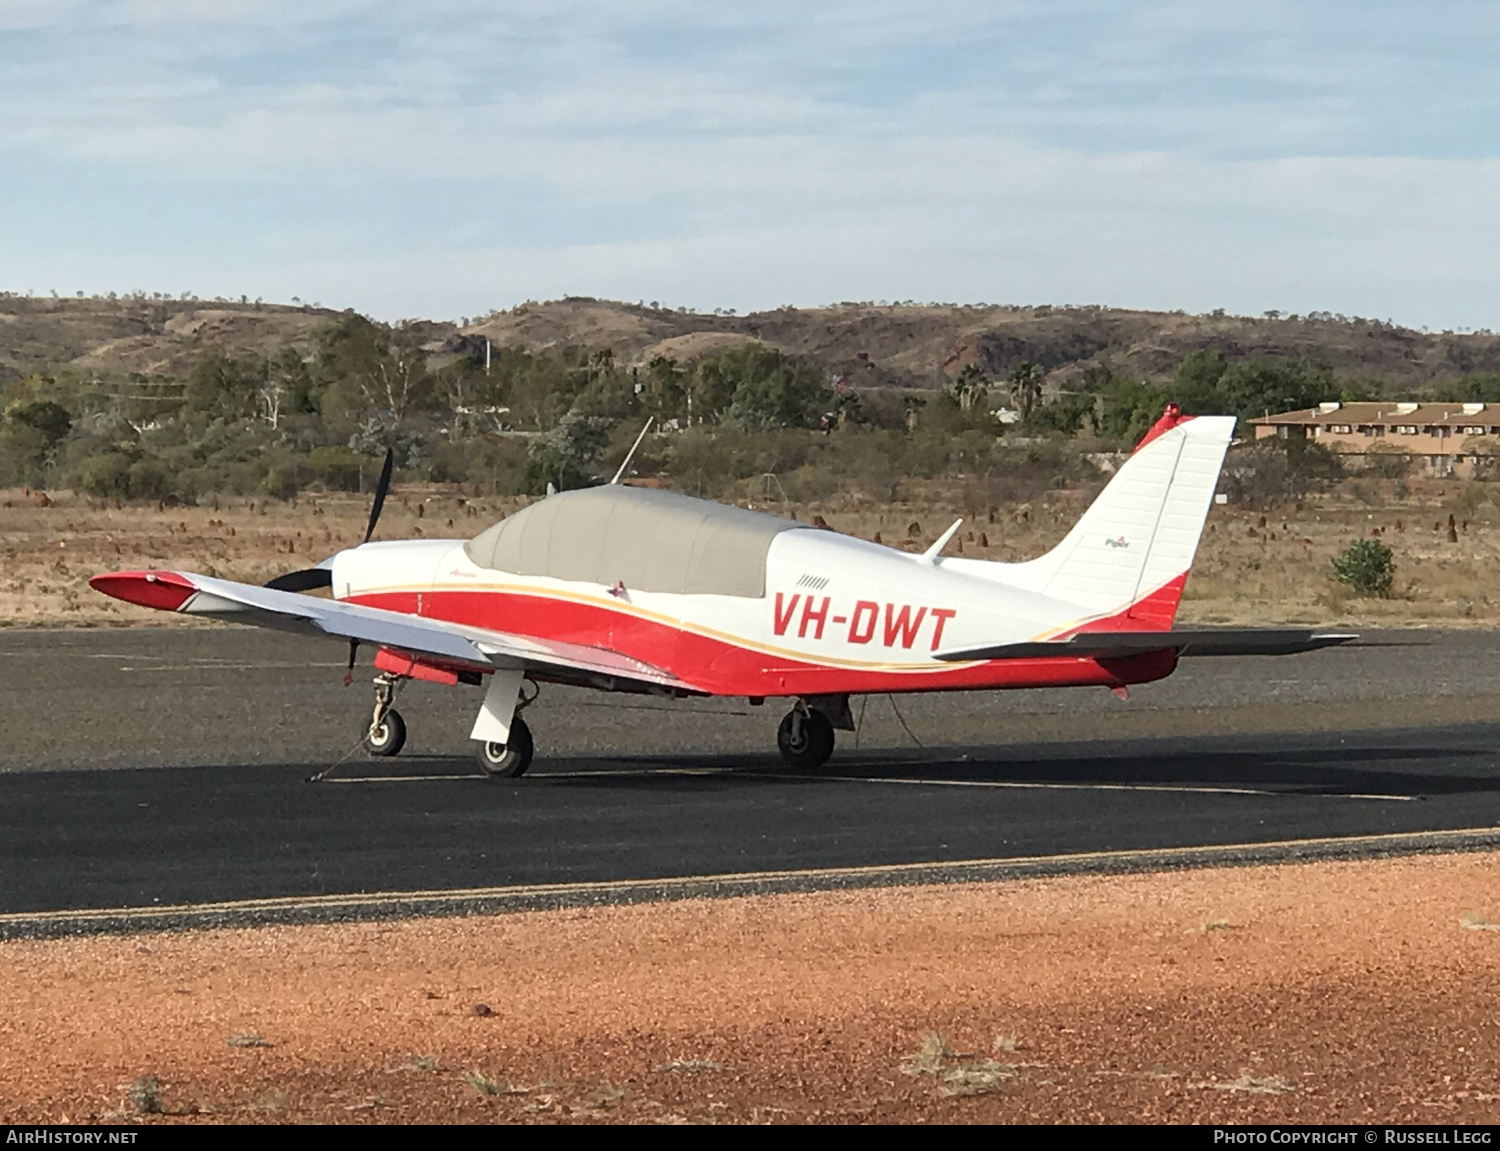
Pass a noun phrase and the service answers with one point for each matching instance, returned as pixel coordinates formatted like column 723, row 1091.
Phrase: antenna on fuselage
column 630, row 455
column 930, row 556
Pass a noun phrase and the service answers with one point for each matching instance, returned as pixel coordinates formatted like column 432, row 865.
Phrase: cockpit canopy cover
column 646, row 539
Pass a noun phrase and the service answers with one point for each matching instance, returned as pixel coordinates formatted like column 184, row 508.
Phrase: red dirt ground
column 1324, row 992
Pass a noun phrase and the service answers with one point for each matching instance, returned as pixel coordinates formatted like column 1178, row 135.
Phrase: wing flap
column 1186, row 641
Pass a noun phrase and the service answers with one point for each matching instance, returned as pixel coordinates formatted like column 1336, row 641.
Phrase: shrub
column 1367, row 566
column 149, row 479
column 341, row 468
column 50, row 420
column 23, row 454
column 106, row 474
column 1264, row 472
column 1383, row 461
column 284, row 479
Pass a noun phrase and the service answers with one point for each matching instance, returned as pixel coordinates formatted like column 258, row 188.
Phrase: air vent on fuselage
column 815, row 583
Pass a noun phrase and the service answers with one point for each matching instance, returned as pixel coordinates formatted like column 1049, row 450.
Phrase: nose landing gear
column 387, row 731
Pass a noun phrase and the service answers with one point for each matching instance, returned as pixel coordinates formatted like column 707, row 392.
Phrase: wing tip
column 163, row 590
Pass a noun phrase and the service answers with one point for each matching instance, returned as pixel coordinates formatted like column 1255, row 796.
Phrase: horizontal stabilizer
column 1187, row 641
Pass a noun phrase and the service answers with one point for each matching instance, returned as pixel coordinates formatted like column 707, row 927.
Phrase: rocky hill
column 141, row 334
column 902, row 344
column 916, row 345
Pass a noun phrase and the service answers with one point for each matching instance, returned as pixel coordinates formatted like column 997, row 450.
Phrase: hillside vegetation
column 176, row 400
column 908, row 344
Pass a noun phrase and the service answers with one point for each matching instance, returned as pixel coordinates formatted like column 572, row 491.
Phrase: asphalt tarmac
column 161, row 768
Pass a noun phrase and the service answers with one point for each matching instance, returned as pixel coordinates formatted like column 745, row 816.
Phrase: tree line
column 515, row 421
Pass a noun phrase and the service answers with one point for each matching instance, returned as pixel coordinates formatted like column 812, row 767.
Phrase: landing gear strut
column 387, row 732
column 509, row 760
column 805, row 736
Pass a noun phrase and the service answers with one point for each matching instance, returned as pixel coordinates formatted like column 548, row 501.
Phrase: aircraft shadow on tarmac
column 1312, row 769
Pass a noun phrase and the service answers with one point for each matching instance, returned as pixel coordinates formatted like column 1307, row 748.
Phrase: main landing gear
column 805, row 736
column 505, row 699
column 509, row 759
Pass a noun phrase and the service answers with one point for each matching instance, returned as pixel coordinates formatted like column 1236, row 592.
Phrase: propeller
column 308, row 579
column 305, row 580
column 380, row 489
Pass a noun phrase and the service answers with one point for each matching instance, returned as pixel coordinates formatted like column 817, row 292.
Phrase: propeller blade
column 353, row 651
column 380, row 489
column 305, row 580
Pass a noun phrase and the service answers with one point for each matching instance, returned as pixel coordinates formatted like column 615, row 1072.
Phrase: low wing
column 454, row 645
column 1187, row 641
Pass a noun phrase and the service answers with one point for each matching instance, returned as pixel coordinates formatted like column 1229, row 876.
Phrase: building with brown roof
column 1444, row 439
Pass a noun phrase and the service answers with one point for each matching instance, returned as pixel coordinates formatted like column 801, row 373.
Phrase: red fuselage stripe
column 722, row 667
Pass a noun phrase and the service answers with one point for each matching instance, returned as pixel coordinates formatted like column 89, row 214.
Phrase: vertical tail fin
column 1127, row 559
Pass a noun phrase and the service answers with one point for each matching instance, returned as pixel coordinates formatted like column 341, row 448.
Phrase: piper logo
column 1117, row 542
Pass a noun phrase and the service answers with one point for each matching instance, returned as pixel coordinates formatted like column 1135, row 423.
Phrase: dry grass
column 484, row 1085
column 49, row 553
column 144, row 1095
column 1252, row 567
column 959, row 1074
column 1249, row 1084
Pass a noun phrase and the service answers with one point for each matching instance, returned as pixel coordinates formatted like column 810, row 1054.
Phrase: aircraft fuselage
column 839, row 616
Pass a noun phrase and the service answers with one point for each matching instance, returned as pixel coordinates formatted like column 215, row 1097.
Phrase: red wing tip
column 167, row 591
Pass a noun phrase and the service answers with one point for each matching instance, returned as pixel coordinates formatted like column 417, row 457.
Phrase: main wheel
column 388, row 736
column 812, row 746
column 509, row 759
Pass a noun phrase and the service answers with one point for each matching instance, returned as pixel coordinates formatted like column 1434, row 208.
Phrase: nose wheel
column 805, row 737
column 388, row 736
column 508, row 760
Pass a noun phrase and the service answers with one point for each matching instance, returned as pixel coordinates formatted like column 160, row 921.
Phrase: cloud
column 1172, row 152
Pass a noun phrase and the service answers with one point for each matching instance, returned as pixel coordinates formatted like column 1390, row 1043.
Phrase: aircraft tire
column 507, row 760
column 389, row 737
column 816, row 744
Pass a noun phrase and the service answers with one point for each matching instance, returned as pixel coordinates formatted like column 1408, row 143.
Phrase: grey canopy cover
column 646, row 539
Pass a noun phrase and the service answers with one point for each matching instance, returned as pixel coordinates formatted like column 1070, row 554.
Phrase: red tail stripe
column 1170, row 419
column 1154, row 612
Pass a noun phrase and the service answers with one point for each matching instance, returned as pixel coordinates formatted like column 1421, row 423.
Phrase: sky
column 447, row 158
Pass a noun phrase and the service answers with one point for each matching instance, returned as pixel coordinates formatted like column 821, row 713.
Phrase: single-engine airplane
column 640, row 590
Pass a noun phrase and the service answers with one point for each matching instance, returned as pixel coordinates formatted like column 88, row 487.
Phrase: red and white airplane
column 638, row 590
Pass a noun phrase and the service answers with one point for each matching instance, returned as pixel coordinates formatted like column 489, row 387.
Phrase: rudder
column 1130, row 552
